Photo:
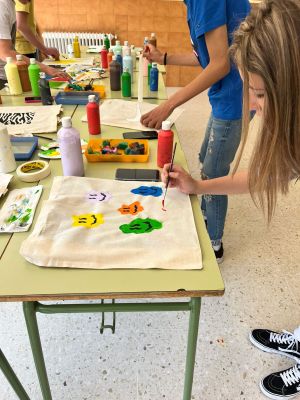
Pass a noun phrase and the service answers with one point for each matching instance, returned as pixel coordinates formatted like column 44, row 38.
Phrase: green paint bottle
column 106, row 42
column 149, row 69
column 34, row 77
column 126, row 83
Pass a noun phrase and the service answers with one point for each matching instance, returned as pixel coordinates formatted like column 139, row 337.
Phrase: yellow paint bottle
column 12, row 76
column 76, row 47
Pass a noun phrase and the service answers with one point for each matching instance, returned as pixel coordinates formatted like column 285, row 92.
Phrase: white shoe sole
column 274, row 396
column 268, row 350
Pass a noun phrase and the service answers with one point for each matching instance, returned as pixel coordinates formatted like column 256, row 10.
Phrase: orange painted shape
column 133, row 208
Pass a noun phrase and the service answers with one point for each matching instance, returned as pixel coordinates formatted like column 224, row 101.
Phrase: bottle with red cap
column 103, row 54
column 93, row 115
column 165, row 144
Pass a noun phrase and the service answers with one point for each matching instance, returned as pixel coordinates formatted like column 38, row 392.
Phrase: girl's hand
column 154, row 118
column 181, row 179
column 153, row 54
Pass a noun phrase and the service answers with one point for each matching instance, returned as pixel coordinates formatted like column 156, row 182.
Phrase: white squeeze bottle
column 7, row 158
column 70, row 149
column 12, row 76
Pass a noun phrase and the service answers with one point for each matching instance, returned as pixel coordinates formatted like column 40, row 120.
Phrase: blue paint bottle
column 119, row 58
column 154, row 78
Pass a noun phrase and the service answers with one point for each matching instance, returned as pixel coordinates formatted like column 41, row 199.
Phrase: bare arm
column 236, row 184
column 24, row 28
column 6, row 50
column 218, row 67
column 155, row 55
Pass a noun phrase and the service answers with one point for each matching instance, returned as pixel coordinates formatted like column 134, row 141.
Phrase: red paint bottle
column 165, row 144
column 93, row 116
column 103, row 54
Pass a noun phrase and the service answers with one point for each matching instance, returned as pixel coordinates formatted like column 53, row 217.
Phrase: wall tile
column 177, row 10
column 163, row 8
column 121, row 22
column 173, row 75
column 181, row 40
column 134, row 24
column 147, row 24
column 147, row 8
column 161, row 24
column 178, row 24
column 121, row 7
column 187, row 74
column 106, row 7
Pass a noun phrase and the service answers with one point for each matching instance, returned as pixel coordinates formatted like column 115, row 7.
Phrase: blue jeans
column 221, row 141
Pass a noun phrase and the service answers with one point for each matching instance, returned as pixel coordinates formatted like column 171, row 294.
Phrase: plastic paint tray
column 97, row 88
column 23, row 147
column 75, row 98
column 96, row 143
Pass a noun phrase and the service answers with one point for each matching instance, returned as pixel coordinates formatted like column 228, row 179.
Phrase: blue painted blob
column 154, row 191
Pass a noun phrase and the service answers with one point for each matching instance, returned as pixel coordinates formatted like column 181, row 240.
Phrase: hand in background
column 154, row 118
column 180, row 179
column 53, row 52
column 55, row 72
column 153, row 54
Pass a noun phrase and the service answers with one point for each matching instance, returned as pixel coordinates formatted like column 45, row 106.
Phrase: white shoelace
column 291, row 376
column 285, row 338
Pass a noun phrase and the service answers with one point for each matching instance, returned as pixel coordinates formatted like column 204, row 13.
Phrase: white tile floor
column 145, row 359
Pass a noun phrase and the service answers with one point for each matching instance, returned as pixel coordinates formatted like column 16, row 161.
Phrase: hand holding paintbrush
column 168, row 179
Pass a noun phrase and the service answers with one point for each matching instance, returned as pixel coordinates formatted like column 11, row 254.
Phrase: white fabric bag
column 30, row 119
column 98, row 239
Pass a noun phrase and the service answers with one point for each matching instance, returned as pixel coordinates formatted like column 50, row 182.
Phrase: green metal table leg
column 29, row 309
column 191, row 347
column 12, row 378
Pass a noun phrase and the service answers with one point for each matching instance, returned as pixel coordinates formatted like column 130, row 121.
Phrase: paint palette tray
column 23, row 147
column 93, row 152
column 75, row 98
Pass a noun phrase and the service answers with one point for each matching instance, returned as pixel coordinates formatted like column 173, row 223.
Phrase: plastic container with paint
column 12, row 76
column 165, row 144
column 34, row 76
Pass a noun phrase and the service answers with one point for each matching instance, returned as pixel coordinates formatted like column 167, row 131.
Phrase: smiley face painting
column 140, row 225
column 88, row 220
column 132, row 209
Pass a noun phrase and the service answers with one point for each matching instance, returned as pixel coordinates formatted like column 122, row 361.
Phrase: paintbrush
column 168, row 179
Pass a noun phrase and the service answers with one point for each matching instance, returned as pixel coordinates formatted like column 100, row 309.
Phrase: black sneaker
column 282, row 385
column 219, row 254
column 283, row 343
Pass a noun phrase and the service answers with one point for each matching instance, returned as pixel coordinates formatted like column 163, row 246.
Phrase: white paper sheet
column 120, row 112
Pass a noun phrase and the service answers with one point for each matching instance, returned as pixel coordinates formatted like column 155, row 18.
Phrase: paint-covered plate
column 51, row 151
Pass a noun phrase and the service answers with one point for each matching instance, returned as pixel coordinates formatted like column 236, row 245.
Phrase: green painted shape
column 139, row 226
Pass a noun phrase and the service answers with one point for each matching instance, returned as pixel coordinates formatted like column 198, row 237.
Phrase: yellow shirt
column 22, row 45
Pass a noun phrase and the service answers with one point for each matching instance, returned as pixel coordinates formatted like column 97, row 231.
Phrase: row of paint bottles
column 70, row 149
column 76, row 47
column 93, row 115
column 12, row 76
column 7, row 158
column 45, row 91
column 165, row 144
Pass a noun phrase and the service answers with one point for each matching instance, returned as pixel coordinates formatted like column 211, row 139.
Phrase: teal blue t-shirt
column 225, row 96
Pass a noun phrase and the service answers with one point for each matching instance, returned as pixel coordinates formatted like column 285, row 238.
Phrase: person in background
column 7, row 40
column 211, row 24
column 266, row 50
column 27, row 39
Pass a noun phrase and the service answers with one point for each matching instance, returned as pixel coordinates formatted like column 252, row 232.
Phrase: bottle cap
column 114, row 58
column 126, row 69
column 153, row 34
column 8, row 59
column 166, row 125
column 32, row 61
column 132, row 47
column 154, row 65
column 126, row 43
column 110, row 50
column 19, row 57
column 118, row 42
column 92, row 98
column 101, row 48
column 146, row 38
column 76, row 38
column 66, row 122
column 42, row 75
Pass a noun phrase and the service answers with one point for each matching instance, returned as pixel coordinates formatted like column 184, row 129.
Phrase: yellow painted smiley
column 88, row 220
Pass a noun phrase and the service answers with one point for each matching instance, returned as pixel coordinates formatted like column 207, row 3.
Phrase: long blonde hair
column 267, row 43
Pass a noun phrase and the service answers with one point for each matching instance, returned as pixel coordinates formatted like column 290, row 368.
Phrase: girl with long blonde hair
column 266, row 49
